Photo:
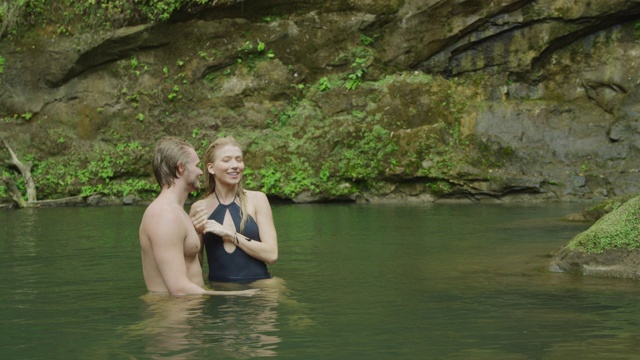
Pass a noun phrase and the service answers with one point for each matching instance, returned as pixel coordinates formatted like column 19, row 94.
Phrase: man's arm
column 196, row 213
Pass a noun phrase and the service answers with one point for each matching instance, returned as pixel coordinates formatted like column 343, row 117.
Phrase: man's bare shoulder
column 200, row 204
column 160, row 214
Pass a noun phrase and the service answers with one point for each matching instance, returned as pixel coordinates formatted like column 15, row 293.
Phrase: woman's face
column 227, row 165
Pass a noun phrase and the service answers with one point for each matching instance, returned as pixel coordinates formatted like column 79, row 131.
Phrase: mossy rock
column 619, row 229
column 611, row 247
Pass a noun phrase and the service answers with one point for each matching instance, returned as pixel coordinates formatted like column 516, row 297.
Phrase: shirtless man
column 169, row 243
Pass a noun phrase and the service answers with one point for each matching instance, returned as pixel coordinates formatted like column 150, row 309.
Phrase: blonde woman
column 235, row 225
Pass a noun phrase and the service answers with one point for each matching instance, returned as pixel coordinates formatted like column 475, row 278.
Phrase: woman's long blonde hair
column 210, row 181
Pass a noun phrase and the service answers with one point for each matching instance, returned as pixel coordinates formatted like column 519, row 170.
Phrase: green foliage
column 440, row 187
column 137, row 67
column 134, row 63
column 287, row 180
column 4, row 173
column 283, row 117
column 324, row 84
column 67, row 15
column 249, row 179
column 355, row 78
column 362, row 55
column 636, row 27
column 270, row 177
column 109, row 172
column 262, row 47
column 325, row 173
column 300, row 177
column 366, row 40
column 11, row 15
column 369, row 156
column 268, row 19
column 134, row 11
column 1, row 64
column 619, row 229
column 249, row 55
column 210, row 55
column 174, row 92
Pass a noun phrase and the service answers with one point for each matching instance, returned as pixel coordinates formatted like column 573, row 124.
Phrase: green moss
column 620, row 229
column 595, row 212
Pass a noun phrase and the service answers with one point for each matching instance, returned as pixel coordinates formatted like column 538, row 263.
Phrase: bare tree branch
column 11, row 12
column 13, row 191
column 25, row 170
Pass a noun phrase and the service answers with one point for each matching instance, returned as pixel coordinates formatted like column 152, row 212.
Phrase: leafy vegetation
column 368, row 155
column 106, row 14
column 109, row 172
column 355, row 78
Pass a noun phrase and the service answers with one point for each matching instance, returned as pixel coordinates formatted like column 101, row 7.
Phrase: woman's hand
column 215, row 227
column 200, row 219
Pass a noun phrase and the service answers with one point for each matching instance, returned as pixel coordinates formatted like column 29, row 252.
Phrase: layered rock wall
column 370, row 99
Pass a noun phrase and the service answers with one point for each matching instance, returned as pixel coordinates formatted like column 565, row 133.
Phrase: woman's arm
column 267, row 248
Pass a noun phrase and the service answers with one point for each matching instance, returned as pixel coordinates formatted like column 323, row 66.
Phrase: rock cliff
column 507, row 100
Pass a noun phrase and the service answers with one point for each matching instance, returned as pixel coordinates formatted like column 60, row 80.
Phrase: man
column 169, row 243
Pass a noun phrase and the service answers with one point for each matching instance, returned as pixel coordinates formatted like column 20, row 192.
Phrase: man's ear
column 180, row 170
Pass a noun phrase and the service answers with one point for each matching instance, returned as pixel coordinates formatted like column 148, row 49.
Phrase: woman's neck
column 226, row 194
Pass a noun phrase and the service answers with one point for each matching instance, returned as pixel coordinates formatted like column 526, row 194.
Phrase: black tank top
column 238, row 266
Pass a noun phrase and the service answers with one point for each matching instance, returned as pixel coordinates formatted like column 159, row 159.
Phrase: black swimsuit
column 238, row 266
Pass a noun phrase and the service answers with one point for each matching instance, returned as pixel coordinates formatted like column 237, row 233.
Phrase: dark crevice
column 597, row 25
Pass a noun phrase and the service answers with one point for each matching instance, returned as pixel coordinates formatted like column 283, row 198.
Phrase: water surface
column 359, row 281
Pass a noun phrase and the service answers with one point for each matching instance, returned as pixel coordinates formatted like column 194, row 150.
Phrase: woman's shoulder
column 257, row 197
column 255, row 194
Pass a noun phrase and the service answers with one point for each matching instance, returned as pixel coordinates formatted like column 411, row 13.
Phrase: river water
column 437, row 281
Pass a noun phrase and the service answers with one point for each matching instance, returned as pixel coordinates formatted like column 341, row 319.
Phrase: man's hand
column 199, row 218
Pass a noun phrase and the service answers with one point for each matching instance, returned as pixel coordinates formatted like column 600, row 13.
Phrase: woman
column 236, row 225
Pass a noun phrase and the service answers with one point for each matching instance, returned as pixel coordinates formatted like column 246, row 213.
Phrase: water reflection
column 437, row 282
column 227, row 326
column 20, row 251
column 169, row 323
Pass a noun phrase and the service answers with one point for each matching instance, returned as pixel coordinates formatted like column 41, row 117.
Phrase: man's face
column 192, row 172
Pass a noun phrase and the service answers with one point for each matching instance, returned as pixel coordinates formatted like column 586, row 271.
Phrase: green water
column 360, row 282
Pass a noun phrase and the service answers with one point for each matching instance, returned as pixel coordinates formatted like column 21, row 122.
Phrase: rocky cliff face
column 358, row 99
